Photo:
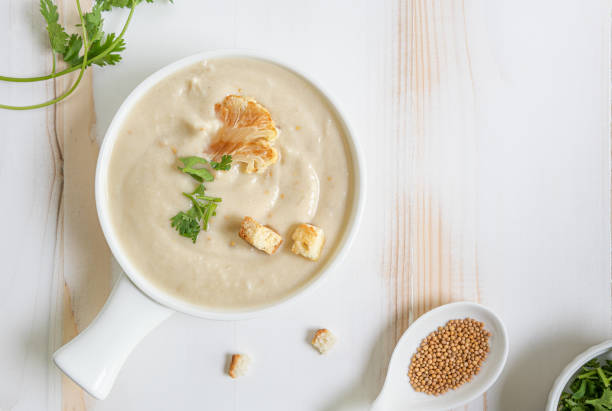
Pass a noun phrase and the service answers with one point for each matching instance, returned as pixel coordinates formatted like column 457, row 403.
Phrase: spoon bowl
column 397, row 393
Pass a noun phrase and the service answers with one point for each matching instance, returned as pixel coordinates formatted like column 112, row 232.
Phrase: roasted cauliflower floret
column 246, row 134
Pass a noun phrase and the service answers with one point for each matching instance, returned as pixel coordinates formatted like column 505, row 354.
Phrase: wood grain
column 85, row 274
column 431, row 258
column 432, row 255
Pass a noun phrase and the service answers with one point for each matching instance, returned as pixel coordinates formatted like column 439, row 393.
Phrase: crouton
column 239, row 366
column 261, row 237
column 308, row 241
column 323, row 340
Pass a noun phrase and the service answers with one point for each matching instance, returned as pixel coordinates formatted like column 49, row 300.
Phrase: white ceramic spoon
column 398, row 394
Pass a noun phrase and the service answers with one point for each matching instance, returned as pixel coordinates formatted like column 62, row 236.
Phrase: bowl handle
column 94, row 357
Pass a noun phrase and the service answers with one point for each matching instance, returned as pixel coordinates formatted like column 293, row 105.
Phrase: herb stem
column 40, row 78
column 213, row 199
column 54, row 58
column 588, row 374
column 78, row 80
column 606, row 381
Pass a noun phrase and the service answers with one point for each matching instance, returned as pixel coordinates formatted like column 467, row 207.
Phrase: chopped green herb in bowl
column 590, row 389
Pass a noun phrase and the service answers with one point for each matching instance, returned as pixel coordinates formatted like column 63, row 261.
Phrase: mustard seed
column 449, row 357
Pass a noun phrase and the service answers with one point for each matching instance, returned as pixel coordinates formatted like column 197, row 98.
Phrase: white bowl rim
column 170, row 301
column 571, row 369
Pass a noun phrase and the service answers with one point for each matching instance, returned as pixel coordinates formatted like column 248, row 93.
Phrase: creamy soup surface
column 310, row 183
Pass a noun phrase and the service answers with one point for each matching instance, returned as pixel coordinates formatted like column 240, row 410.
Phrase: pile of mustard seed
column 449, row 357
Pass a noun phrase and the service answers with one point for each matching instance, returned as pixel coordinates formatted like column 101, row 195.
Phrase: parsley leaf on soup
column 200, row 174
column 199, row 195
column 203, row 207
column 206, row 206
column 197, row 218
column 187, row 224
column 225, row 163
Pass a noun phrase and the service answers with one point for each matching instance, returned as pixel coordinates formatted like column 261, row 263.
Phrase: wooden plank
column 86, row 271
column 431, row 253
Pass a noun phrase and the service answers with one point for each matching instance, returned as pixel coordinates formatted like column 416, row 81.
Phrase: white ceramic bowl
column 603, row 350
column 94, row 358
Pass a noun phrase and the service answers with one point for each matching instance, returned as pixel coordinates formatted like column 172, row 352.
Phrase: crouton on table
column 239, row 366
column 323, row 340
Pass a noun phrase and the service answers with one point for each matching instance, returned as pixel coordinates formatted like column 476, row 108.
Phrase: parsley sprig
column 224, row 164
column 82, row 50
column 189, row 223
column 590, row 390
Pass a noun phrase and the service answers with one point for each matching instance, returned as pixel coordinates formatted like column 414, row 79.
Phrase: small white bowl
column 603, row 350
column 136, row 306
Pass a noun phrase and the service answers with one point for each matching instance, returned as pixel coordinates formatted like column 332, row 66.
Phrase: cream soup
column 311, row 182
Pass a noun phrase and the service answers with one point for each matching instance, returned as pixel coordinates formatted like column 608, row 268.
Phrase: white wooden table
column 486, row 129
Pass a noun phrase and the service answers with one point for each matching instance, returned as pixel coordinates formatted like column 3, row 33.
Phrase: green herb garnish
column 590, row 389
column 225, row 163
column 203, row 207
column 79, row 51
column 187, row 224
column 200, row 174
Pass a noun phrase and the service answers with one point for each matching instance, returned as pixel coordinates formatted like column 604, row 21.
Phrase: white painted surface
column 507, row 157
